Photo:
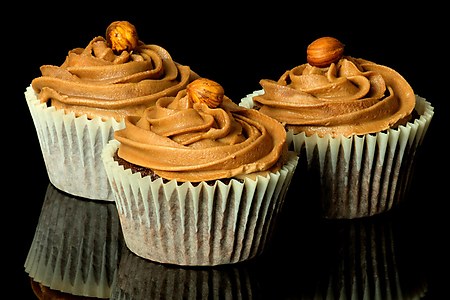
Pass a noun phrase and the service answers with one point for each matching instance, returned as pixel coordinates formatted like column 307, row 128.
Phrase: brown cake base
column 149, row 172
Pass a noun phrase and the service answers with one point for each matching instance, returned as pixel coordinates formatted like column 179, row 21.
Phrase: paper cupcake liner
column 72, row 147
column 362, row 175
column 76, row 246
column 196, row 225
column 140, row 279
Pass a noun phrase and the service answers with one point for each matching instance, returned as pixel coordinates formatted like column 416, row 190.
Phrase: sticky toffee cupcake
column 197, row 179
column 77, row 106
column 356, row 123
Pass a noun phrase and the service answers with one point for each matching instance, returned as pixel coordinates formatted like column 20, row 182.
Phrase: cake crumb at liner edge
column 71, row 147
column 199, row 225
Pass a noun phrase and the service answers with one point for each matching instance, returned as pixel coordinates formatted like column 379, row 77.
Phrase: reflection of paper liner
column 71, row 148
column 76, row 246
column 202, row 225
column 367, row 266
column 365, row 262
column 139, row 279
column 362, row 175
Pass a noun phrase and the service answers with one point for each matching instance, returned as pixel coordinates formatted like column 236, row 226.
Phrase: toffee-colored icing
column 97, row 82
column 350, row 97
column 187, row 141
column 149, row 172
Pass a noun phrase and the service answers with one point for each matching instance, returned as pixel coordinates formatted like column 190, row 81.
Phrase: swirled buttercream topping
column 187, row 141
column 350, row 97
column 97, row 82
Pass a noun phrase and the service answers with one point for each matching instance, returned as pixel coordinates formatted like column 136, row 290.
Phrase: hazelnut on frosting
column 192, row 141
column 112, row 78
column 345, row 96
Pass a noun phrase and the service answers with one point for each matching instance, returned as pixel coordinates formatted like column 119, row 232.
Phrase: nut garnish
column 205, row 91
column 121, row 35
column 324, row 51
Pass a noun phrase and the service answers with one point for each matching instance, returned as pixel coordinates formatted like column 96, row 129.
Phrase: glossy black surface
column 391, row 256
column 405, row 248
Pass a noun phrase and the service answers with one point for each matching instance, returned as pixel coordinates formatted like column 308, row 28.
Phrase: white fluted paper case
column 362, row 175
column 196, row 225
column 72, row 148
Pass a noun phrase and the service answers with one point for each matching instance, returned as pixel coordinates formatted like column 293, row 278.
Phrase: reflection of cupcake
column 367, row 258
column 76, row 246
column 358, row 123
column 198, row 184
column 44, row 293
column 76, row 107
column 138, row 279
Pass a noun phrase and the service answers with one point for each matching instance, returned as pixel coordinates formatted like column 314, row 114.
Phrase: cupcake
column 356, row 123
column 76, row 107
column 197, row 179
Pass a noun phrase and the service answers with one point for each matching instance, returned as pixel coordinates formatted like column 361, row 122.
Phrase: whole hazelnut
column 324, row 51
column 121, row 35
column 205, row 91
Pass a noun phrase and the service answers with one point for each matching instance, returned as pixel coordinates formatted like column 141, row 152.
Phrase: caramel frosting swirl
column 187, row 141
column 97, row 82
column 350, row 97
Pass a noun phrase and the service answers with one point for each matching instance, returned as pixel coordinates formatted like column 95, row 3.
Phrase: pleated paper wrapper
column 196, row 225
column 362, row 175
column 72, row 147
column 76, row 246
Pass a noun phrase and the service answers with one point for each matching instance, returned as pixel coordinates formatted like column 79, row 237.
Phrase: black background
column 237, row 47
